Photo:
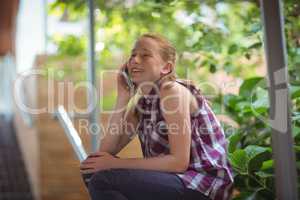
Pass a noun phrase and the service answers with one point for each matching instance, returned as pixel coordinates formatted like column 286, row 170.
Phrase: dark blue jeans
column 137, row 184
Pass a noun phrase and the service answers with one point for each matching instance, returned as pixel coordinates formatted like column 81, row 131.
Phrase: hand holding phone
column 127, row 78
column 125, row 84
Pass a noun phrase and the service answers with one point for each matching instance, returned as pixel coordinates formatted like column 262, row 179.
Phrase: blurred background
column 44, row 44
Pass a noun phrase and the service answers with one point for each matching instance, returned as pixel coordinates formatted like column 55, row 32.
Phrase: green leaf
column 297, row 149
column 248, row 85
column 296, row 116
column 212, row 68
column 267, row 165
column 242, row 106
column 295, row 130
column 239, row 160
column 234, row 139
column 261, row 104
column 255, row 45
column 231, row 100
column 257, row 155
column 295, row 92
column 263, row 175
column 232, row 49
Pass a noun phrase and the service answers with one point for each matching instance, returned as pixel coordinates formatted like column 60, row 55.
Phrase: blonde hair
column 168, row 54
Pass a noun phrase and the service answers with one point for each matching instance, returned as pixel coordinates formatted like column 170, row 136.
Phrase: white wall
column 30, row 33
column 30, row 41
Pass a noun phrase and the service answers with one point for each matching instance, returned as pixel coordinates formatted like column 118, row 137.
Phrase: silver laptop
column 71, row 133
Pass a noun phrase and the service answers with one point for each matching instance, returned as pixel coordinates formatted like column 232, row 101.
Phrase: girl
column 183, row 143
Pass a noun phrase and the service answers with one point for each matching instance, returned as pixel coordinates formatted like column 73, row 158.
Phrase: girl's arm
column 129, row 127
column 176, row 112
column 125, row 122
column 111, row 140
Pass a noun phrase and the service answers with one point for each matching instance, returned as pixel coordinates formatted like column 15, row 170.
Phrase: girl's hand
column 123, row 89
column 96, row 162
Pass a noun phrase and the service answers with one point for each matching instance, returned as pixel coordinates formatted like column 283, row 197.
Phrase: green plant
column 249, row 146
column 71, row 45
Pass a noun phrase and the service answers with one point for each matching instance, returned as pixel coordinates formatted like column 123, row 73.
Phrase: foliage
column 207, row 31
column 249, row 147
column 70, row 45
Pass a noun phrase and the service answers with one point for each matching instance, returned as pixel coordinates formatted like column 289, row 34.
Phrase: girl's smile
column 145, row 63
column 136, row 71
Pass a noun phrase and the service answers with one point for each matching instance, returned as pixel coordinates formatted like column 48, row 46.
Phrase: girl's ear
column 167, row 68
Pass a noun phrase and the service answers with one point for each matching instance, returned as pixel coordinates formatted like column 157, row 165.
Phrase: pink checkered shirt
column 209, row 170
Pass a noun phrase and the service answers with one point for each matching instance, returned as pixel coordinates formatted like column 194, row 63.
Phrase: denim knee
column 102, row 180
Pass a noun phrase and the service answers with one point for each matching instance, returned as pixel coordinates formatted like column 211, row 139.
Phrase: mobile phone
column 127, row 78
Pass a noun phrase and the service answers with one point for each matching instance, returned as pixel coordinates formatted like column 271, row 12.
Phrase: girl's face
column 145, row 63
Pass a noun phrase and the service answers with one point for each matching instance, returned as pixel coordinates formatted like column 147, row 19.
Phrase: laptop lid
column 71, row 133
